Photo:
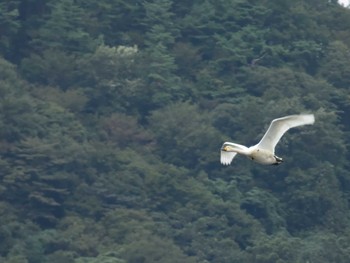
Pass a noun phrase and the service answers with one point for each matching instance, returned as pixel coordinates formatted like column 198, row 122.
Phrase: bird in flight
column 264, row 151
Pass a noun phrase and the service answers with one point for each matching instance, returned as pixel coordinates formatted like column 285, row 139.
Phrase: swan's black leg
column 278, row 160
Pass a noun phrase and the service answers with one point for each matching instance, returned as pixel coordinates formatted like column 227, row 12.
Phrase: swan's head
column 227, row 148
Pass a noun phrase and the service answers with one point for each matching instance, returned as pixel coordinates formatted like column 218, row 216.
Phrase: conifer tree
column 162, row 82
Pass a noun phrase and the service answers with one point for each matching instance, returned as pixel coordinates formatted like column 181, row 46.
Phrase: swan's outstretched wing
column 229, row 151
column 227, row 157
column 279, row 126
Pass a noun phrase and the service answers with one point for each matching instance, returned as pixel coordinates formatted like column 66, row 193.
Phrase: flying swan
column 264, row 151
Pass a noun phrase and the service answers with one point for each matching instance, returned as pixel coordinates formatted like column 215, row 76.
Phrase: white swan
column 264, row 151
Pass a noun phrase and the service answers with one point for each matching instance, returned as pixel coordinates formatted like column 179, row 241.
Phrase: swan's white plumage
column 226, row 157
column 279, row 126
column 264, row 151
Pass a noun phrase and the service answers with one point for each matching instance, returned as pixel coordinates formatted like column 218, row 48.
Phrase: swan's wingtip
column 309, row 118
column 227, row 163
column 226, row 157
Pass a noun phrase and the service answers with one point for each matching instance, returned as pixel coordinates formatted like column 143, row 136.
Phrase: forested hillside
column 113, row 112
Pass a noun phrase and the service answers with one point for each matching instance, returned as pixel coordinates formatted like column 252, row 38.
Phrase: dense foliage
column 112, row 113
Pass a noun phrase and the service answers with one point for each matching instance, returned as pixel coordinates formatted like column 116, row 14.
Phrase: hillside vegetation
column 113, row 112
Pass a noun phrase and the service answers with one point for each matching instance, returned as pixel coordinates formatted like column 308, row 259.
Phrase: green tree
column 335, row 67
column 41, row 143
column 9, row 22
column 118, row 21
column 64, row 29
column 112, row 81
column 151, row 249
column 51, row 67
column 59, row 38
column 162, row 83
column 43, row 164
column 184, row 135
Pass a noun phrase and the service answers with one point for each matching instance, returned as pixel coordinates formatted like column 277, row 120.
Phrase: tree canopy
column 112, row 114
